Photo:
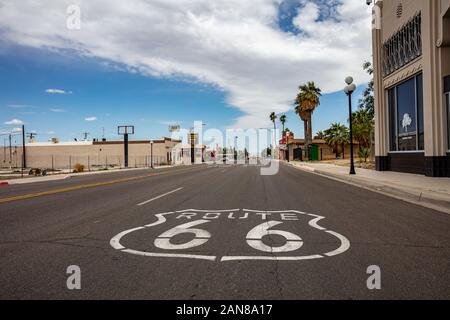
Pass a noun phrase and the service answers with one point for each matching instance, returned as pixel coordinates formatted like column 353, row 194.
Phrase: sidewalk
column 62, row 176
column 429, row 192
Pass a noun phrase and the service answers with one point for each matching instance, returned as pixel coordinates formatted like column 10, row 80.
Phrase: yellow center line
column 89, row 185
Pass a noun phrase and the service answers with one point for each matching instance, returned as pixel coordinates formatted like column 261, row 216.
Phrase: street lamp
column 349, row 89
column 151, row 154
column 235, row 151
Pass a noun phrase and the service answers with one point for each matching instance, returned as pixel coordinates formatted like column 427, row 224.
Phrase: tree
column 308, row 99
column 273, row 118
column 363, row 126
column 283, row 120
column 337, row 135
column 319, row 135
column 367, row 100
column 363, row 118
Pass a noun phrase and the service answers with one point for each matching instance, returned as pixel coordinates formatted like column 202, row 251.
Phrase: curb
column 415, row 197
column 4, row 183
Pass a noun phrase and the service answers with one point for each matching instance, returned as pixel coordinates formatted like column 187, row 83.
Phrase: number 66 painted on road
column 254, row 237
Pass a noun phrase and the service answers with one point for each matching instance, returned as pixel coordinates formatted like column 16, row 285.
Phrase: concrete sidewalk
column 429, row 192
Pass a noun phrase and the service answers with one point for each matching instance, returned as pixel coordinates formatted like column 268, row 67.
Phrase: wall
column 93, row 156
column 434, row 64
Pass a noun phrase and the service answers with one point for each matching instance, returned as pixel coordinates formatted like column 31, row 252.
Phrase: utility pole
column 10, row 152
column 24, row 161
column 151, row 154
column 4, row 151
column 125, row 131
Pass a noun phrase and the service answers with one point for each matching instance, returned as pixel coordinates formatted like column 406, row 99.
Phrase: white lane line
column 160, row 196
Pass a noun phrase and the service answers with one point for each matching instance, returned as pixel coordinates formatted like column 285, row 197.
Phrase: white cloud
column 51, row 132
column 90, row 118
column 16, row 130
column 56, row 110
column 234, row 45
column 20, row 106
column 57, row 91
column 14, row 122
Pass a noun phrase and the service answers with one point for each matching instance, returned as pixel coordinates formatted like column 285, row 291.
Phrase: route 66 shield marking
column 271, row 235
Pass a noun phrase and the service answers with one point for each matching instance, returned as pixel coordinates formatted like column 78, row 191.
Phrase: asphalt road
column 330, row 234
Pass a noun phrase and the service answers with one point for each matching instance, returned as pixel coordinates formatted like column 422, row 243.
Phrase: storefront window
column 392, row 119
column 448, row 119
column 405, row 103
column 420, row 125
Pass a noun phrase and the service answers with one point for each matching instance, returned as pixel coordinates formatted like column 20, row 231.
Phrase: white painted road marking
column 160, row 196
column 254, row 237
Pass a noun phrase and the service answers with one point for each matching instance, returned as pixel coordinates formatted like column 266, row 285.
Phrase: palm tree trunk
column 310, row 129
column 308, row 135
column 305, row 125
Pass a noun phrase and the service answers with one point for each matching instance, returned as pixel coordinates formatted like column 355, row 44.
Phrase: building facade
column 91, row 154
column 294, row 150
column 411, row 52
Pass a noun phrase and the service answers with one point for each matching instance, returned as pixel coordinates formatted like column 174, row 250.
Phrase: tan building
column 92, row 154
column 411, row 51
column 295, row 150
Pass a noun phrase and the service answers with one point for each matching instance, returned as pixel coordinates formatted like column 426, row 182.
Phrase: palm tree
column 336, row 136
column 283, row 120
column 308, row 99
column 363, row 126
column 273, row 118
column 319, row 135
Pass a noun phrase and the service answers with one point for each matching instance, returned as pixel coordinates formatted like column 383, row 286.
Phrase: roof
column 121, row 142
column 88, row 143
column 53, row 144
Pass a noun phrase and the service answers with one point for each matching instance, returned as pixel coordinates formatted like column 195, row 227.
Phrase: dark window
column 406, row 116
column 405, row 103
column 448, row 119
column 420, row 123
column 392, row 119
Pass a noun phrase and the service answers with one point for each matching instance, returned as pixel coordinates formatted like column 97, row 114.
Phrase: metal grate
column 399, row 10
column 404, row 46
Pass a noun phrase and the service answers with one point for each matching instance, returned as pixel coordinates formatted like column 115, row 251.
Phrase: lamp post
column 235, row 155
column 349, row 89
column 151, row 154
column 125, row 131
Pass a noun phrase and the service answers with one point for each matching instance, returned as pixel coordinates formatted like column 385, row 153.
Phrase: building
column 294, row 149
column 411, row 52
column 91, row 154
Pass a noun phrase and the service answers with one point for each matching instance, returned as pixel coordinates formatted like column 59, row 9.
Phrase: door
column 298, row 154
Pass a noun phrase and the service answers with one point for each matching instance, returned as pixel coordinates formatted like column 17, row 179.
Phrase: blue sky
column 224, row 72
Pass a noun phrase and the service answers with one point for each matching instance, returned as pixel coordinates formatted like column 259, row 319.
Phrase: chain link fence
column 13, row 160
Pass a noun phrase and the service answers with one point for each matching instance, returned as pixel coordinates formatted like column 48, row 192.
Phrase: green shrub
column 364, row 153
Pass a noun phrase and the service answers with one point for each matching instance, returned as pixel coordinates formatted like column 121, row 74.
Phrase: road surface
column 223, row 232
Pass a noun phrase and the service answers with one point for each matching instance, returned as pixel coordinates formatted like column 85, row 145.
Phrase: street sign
column 193, row 138
column 174, row 128
column 123, row 130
